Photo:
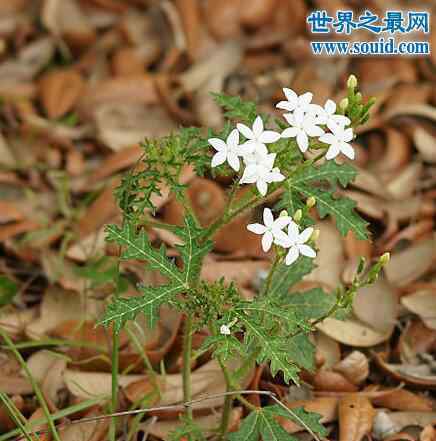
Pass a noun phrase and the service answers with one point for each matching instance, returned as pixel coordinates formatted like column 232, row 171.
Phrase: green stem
column 269, row 279
column 15, row 415
column 186, row 373
column 114, row 398
column 34, row 384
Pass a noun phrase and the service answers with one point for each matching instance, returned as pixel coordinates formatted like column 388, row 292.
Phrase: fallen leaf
column 356, row 416
column 423, row 304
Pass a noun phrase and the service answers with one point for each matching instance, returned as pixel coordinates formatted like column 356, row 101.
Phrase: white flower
column 295, row 241
column 303, row 126
column 262, row 172
column 227, row 151
column 339, row 141
column 272, row 229
column 326, row 114
column 257, row 137
column 225, row 330
column 294, row 102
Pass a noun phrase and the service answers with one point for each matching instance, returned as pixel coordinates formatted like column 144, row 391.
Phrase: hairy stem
column 269, row 279
column 227, row 401
column 186, row 373
column 114, row 398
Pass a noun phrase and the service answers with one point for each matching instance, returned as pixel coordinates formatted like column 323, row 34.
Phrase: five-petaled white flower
column 272, row 229
column 227, row 151
column 326, row 114
column 257, row 137
column 303, row 126
column 225, row 330
column 295, row 102
column 339, row 141
column 295, row 241
column 262, row 172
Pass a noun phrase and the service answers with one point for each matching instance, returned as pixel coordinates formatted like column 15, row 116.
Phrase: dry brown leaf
column 356, row 416
column 402, row 399
column 14, row 321
column 423, row 304
column 327, row 380
column 60, row 90
column 407, row 266
column 388, row 423
column 425, row 143
column 428, row 433
column 354, row 367
column 327, row 349
column 404, row 184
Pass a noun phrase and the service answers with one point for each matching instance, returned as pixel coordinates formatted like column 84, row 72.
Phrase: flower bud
column 358, row 97
column 283, row 213
column 310, row 202
column 298, row 215
column 352, row 81
column 384, row 259
column 225, row 330
column 315, row 235
column 343, row 105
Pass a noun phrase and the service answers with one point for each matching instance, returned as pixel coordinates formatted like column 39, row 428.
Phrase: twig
column 183, row 406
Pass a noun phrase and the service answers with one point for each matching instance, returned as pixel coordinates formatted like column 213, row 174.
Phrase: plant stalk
column 186, row 373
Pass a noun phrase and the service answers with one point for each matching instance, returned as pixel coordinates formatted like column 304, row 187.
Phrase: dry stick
column 187, row 404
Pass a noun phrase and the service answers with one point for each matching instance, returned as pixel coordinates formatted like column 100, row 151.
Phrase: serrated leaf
column 249, row 430
column 286, row 276
column 123, row 309
column 341, row 209
column 271, row 349
column 236, row 108
column 311, row 304
column 137, row 246
column 225, row 346
column 301, row 417
column 301, row 348
column 192, row 251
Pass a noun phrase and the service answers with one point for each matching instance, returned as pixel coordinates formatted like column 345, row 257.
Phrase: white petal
column 313, row 130
column 293, row 231
column 262, row 186
column 341, row 120
column 289, row 117
column 330, row 107
column 305, row 235
column 302, row 141
column 250, row 174
column 268, row 218
column 299, row 116
column 290, row 95
column 260, row 149
column 335, row 128
column 246, row 131
column 233, row 138
column 315, row 109
column 286, row 105
column 267, row 241
column 305, row 99
column 269, row 136
column 257, row 126
column 217, row 144
column 332, row 152
column 275, row 176
column 328, row 138
column 256, row 228
column 224, row 330
column 219, row 158
column 347, row 150
column 292, row 255
column 268, row 160
column 305, row 250
column 281, row 222
column 233, row 161
column 248, row 146
column 280, row 237
column 347, row 135
column 290, row 132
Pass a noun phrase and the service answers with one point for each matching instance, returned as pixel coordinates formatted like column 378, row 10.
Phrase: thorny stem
column 186, row 372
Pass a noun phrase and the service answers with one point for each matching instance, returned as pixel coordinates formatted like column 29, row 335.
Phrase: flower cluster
column 272, row 231
column 305, row 120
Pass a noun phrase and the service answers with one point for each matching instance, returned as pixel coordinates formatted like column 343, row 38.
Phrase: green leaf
column 192, row 251
column 137, row 246
column 286, row 276
column 236, row 108
column 301, row 348
column 341, row 209
column 123, row 309
column 311, row 304
column 262, row 424
column 8, row 289
column 225, row 346
column 301, row 417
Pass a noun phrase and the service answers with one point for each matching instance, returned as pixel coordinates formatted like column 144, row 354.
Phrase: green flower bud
column 310, row 202
column 352, row 81
column 343, row 105
column 298, row 215
column 385, row 258
column 358, row 97
column 283, row 213
column 315, row 235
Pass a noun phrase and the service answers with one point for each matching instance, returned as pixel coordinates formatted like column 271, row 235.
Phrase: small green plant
column 297, row 165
